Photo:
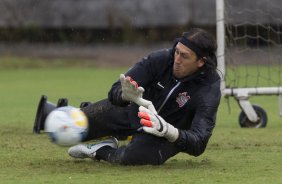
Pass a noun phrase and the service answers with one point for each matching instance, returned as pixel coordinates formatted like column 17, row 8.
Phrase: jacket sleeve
column 114, row 95
column 194, row 140
column 142, row 72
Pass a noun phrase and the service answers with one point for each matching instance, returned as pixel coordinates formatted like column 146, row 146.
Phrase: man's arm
column 139, row 72
column 143, row 72
column 115, row 95
column 194, row 140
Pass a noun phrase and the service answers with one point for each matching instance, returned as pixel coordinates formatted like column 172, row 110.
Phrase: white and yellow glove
column 133, row 93
column 156, row 125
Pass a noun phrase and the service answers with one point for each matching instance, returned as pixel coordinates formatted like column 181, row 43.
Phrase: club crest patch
column 182, row 99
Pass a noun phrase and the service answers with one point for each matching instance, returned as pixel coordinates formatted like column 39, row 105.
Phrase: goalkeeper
column 167, row 102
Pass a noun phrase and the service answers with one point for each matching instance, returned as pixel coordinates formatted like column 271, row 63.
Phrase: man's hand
column 133, row 93
column 156, row 125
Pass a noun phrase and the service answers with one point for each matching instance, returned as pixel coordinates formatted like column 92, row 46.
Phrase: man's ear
column 174, row 45
column 201, row 62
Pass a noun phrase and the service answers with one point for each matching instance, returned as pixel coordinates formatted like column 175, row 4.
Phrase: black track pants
column 144, row 149
column 106, row 119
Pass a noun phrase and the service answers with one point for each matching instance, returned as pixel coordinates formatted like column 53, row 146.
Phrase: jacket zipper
column 167, row 97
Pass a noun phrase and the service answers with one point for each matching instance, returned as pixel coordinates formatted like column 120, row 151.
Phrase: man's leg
column 106, row 119
column 142, row 150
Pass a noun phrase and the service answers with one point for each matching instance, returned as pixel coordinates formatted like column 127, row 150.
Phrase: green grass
column 254, row 75
column 233, row 155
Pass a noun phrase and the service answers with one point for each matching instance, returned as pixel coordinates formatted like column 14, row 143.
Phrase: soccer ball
column 66, row 126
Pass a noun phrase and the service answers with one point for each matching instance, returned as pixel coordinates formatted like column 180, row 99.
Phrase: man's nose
column 177, row 58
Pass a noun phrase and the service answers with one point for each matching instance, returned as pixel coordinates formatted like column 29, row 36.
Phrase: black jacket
column 189, row 104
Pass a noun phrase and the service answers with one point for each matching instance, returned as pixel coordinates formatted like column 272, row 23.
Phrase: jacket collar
column 200, row 74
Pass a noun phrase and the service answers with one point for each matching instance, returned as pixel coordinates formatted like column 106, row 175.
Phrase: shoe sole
column 85, row 152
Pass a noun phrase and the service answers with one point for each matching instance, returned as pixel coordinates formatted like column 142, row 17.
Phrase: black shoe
column 43, row 109
column 84, row 104
column 62, row 102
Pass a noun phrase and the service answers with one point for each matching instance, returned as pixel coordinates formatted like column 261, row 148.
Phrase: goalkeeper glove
column 156, row 125
column 133, row 93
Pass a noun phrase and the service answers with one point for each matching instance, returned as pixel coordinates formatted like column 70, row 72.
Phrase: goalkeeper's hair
column 206, row 43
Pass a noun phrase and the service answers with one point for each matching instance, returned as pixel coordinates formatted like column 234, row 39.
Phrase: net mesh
column 253, row 53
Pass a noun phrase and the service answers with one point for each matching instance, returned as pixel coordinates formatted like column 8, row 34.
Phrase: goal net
column 249, row 35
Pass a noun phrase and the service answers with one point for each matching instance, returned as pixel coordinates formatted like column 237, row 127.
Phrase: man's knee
column 128, row 156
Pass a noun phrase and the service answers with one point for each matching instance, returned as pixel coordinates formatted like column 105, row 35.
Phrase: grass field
column 233, row 155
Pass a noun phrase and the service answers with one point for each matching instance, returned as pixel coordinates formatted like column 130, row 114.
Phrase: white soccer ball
column 66, row 126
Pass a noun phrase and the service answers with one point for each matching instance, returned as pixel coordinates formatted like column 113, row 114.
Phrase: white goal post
column 251, row 115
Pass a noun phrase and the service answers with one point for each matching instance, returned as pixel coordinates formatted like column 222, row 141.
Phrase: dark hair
column 206, row 43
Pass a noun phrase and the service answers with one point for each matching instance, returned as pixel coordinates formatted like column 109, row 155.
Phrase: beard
column 177, row 71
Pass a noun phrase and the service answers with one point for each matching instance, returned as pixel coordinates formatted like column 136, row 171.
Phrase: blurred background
column 107, row 32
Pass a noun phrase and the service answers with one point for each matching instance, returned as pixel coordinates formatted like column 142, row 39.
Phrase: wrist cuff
column 172, row 133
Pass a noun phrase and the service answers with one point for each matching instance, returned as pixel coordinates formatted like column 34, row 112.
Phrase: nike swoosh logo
column 159, row 84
